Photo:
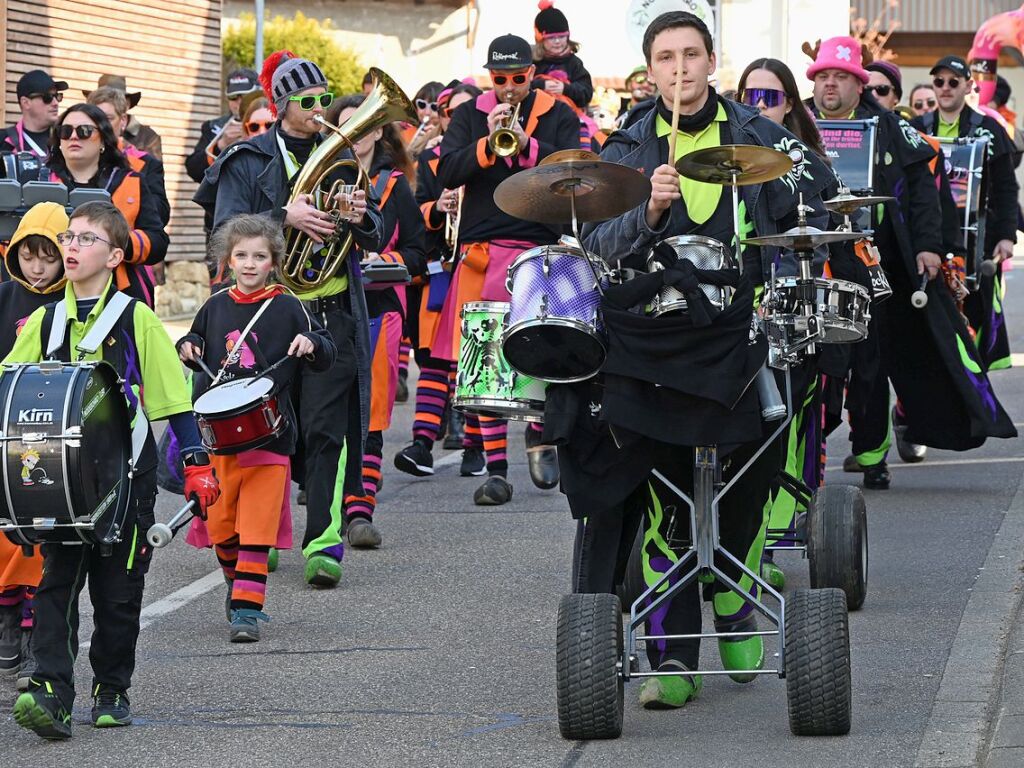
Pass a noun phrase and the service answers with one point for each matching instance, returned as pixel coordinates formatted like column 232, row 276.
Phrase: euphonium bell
column 503, row 141
column 308, row 265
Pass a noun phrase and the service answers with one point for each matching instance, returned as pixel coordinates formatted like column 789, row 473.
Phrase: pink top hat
column 839, row 53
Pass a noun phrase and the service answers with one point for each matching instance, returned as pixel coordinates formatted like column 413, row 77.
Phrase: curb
column 969, row 692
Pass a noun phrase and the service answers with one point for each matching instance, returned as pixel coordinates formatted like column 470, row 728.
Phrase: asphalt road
column 438, row 649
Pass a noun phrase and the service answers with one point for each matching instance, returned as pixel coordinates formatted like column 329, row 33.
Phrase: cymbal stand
column 734, row 175
column 572, row 185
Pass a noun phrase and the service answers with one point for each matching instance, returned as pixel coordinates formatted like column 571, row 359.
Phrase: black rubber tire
column 817, row 649
column 633, row 584
column 837, row 542
column 589, row 684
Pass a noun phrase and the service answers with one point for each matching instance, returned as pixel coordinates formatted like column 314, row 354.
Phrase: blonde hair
column 243, row 227
column 112, row 96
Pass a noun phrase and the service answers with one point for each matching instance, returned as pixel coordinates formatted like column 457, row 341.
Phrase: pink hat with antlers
column 839, row 53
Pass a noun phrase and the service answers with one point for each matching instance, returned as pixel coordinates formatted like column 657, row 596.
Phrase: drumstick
column 677, row 96
column 206, row 369
column 275, row 366
column 919, row 299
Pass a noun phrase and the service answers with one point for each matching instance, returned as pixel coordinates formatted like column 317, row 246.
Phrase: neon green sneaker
column 322, row 571
column 110, row 707
column 273, row 558
column 742, row 653
column 42, row 712
column 774, row 575
column 670, row 691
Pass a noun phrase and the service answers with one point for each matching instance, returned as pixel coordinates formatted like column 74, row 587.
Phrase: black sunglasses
column 940, row 82
column 48, row 98
column 502, row 79
column 424, row 104
column 920, row 104
column 255, row 125
column 81, row 131
column 879, row 90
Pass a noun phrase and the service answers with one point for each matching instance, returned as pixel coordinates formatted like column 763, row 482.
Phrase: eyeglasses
column 940, row 82
column 446, row 112
column 48, row 98
column 772, row 97
column 81, row 131
column 424, row 104
column 256, row 126
column 502, row 79
column 920, row 104
column 85, row 239
column 309, row 102
column 640, row 79
column 879, row 90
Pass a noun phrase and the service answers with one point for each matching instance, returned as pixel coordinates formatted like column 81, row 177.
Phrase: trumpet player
column 532, row 125
column 253, row 176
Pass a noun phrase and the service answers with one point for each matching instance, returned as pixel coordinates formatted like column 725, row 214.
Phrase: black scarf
column 299, row 147
column 697, row 121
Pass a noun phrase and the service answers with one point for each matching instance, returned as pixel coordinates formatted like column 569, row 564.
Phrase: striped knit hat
column 289, row 75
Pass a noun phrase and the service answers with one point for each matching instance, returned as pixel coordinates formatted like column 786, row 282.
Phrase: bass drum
column 67, row 453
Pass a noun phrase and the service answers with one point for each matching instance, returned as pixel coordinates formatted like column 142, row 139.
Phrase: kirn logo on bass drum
column 35, row 416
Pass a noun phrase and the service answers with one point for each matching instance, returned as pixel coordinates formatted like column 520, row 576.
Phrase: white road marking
column 950, row 463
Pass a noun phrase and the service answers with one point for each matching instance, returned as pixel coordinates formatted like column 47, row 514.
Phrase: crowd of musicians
column 337, row 346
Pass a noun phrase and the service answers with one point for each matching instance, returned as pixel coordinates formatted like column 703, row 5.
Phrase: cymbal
column 753, row 164
column 804, row 238
column 569, row 154
column 847, row 204
column 544, row 193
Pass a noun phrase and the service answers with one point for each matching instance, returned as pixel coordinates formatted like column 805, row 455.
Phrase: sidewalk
column 1006, row 745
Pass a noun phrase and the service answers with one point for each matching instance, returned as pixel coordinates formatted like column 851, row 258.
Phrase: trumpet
column 451, row 225
column 503, row 141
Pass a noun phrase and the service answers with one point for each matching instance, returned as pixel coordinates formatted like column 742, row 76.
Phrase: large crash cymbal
column 544, row 193
column 741, row 164
column 804, row 238
column 846, row 204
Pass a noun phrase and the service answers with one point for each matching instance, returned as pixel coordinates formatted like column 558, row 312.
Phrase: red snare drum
column 240, row 415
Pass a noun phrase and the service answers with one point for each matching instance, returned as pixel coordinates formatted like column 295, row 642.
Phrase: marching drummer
column 138, row 348
column 235, row 336
column 33, row 261
column 658, row 419
column 490, row 239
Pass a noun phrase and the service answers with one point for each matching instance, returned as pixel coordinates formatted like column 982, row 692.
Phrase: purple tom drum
column 553, row 332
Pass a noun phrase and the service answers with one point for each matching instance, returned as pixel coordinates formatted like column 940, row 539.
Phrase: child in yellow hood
column 34, row 263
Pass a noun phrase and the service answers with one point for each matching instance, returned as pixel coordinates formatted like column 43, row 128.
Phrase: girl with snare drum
column 246, row 344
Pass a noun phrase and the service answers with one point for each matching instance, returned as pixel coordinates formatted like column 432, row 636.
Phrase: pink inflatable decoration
column 1004, row 29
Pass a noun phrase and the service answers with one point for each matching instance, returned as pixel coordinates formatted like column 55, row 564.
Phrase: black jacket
column 579, row 88
column 197, row 162
column 1003, row 189
column 467, row 160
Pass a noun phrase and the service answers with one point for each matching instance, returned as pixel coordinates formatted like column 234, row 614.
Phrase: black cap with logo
column 241, row 82
column 38, row 81
column 509, row 52
column 954, row 64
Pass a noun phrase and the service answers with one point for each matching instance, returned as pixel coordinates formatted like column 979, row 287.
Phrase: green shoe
column 741, row 653
column 273, row 557
column 322, row 571
column 110, row 707
column 670, row 691
column 41, row 711
column 774, row 575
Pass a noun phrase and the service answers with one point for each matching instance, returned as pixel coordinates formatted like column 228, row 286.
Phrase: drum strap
column 236, row 351
column 105, row 323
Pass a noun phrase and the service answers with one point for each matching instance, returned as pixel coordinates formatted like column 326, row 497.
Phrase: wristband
column 196, row 459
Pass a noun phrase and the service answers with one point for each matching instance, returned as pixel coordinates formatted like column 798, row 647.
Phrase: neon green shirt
column 701, row 198
column 949, row 130
column 163, row 391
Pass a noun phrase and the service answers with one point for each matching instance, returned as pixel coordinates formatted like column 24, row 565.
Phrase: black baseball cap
column 241, row 82
column 509, row 52
column 38, row 81
column 954, row 64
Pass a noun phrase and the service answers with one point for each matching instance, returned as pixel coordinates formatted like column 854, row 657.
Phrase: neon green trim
column 135, row 540
column 652, row 536
column 965, row 357
column 728, row 603
column 1002, row 364
column 783, row 508
column 331, row 536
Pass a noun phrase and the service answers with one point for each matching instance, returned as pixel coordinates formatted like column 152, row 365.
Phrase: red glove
column 201, row 484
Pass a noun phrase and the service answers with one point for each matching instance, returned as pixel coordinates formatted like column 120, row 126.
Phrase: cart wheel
column 589, row 652
column 817, row 655
column 837, row 542
column 633, row 584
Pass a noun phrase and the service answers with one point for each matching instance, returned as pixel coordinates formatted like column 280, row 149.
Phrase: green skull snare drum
column 486, row 384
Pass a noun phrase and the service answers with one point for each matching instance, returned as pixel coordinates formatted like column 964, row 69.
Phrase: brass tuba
column 308, row 265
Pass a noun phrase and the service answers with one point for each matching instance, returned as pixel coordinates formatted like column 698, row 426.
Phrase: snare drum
column 485, row 383
column 843, row 307
column 239, row 415
column 703, row 253
column 67, row 453
column 554, row 329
